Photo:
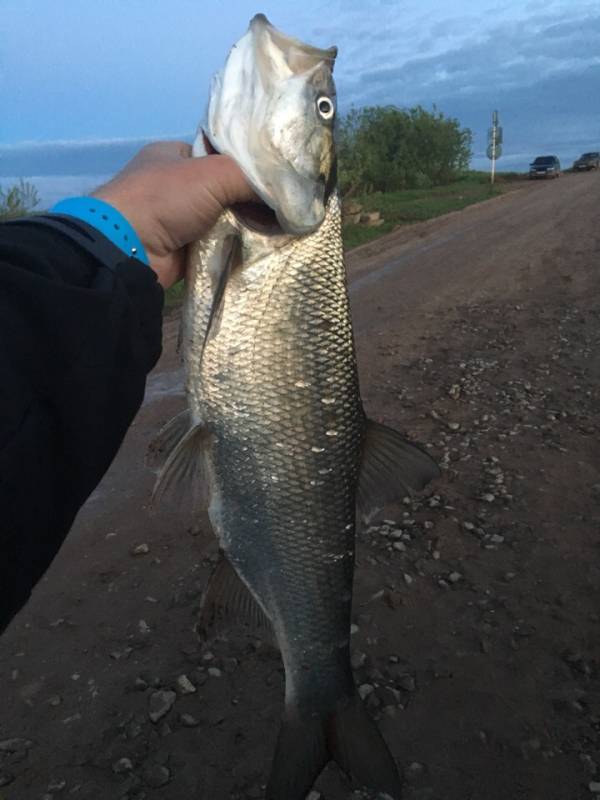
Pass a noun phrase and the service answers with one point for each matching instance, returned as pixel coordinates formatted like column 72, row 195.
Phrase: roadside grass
column 409, row 205
column 417, row 205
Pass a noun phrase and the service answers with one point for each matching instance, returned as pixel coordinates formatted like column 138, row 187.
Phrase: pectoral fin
column 392, row 467
column 229, row 258
column 183, row 475
column 167, row 438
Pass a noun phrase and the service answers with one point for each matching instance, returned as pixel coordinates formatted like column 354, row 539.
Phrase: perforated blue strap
column 106, row 219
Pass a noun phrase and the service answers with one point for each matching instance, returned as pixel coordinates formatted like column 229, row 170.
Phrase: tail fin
column 349, row 737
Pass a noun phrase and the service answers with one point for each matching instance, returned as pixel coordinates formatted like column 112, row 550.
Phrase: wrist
column 108, row 220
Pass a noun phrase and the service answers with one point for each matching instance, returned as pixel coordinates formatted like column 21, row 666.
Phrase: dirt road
column 478, row 641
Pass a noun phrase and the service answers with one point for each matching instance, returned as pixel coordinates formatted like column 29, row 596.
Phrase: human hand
column 172, row 199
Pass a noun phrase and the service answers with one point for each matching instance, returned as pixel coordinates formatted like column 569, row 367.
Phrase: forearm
column 77, row 341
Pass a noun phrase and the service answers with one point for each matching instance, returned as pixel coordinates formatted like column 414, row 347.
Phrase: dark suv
column 587, row 161
column 544, row 167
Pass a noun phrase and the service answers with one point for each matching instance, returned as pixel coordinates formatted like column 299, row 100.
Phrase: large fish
column 275, row 436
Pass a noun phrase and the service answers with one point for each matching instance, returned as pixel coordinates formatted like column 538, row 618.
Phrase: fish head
column 272, row 109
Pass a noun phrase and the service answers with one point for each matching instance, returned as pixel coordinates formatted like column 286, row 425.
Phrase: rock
column 370, row 218
column 365, row 690
column 143, row 627
column 214, row 672
column 488, row 497
column 122, row 765
column 55, row 700
column 406, row 682
column 188, row 721
column 6, row 778
column 161, row 703
column 354, row 629
column 388, row 696
column 184, row 685
column 156, row 775
column 589, row 764
column 408, row 579
column 14, row 745
column 496, row 538
column 594, row 787
column 140, row 550
column 454, row 577
column 358, row 660
column 314, row 795
column 399, row 546
column 351, row 207
column 199, row 676
column 57, row 786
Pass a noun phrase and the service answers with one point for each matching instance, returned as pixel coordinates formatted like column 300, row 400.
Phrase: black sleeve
column 77, row 340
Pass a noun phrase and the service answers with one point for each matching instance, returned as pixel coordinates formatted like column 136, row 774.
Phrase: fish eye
column 325, row 107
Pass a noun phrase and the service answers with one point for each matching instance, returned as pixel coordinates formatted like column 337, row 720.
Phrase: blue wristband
column 106, row 219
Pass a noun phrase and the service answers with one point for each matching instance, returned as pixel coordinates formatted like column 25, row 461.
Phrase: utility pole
column 494, row 148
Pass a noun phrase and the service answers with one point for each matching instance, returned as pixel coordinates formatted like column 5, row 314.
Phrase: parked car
column 587, row 161
column 544, row 167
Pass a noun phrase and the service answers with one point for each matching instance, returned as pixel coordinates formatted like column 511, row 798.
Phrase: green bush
column 17, row 200
column 385, row 148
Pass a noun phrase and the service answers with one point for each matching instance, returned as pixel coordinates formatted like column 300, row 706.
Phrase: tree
column 17, row 200
column 384, row 148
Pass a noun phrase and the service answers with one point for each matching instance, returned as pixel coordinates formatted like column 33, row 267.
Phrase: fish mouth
column 255, row 215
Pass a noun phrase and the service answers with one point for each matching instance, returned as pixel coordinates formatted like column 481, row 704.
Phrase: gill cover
column 272, row 109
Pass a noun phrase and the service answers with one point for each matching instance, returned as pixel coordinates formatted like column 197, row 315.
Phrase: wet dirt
column 477, row 606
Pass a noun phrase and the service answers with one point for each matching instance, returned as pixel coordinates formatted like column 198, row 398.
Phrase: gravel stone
column 140, row 550
column 189, row 721
column 160, row 704
column 156, row 775
column 122, row 765
column 14, row 745
column 358, row 660
column 184, row 685
column 365, row 690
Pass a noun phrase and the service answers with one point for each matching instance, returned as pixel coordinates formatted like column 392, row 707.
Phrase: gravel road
column 477, row 640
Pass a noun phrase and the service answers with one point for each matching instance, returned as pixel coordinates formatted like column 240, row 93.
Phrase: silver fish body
column 278, row 389
column 277, row 438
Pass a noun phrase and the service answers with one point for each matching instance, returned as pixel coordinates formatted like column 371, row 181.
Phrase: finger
column 222, row 177
column 157, row 152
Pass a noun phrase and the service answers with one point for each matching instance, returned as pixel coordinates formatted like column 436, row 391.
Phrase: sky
column 86, row 82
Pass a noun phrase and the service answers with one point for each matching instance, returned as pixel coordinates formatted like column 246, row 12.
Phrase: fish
column 275, row 442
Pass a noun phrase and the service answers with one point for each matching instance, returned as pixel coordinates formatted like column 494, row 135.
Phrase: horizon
column 537, row 63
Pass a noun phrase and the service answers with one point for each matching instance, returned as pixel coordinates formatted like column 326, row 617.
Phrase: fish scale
column 295, row 362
